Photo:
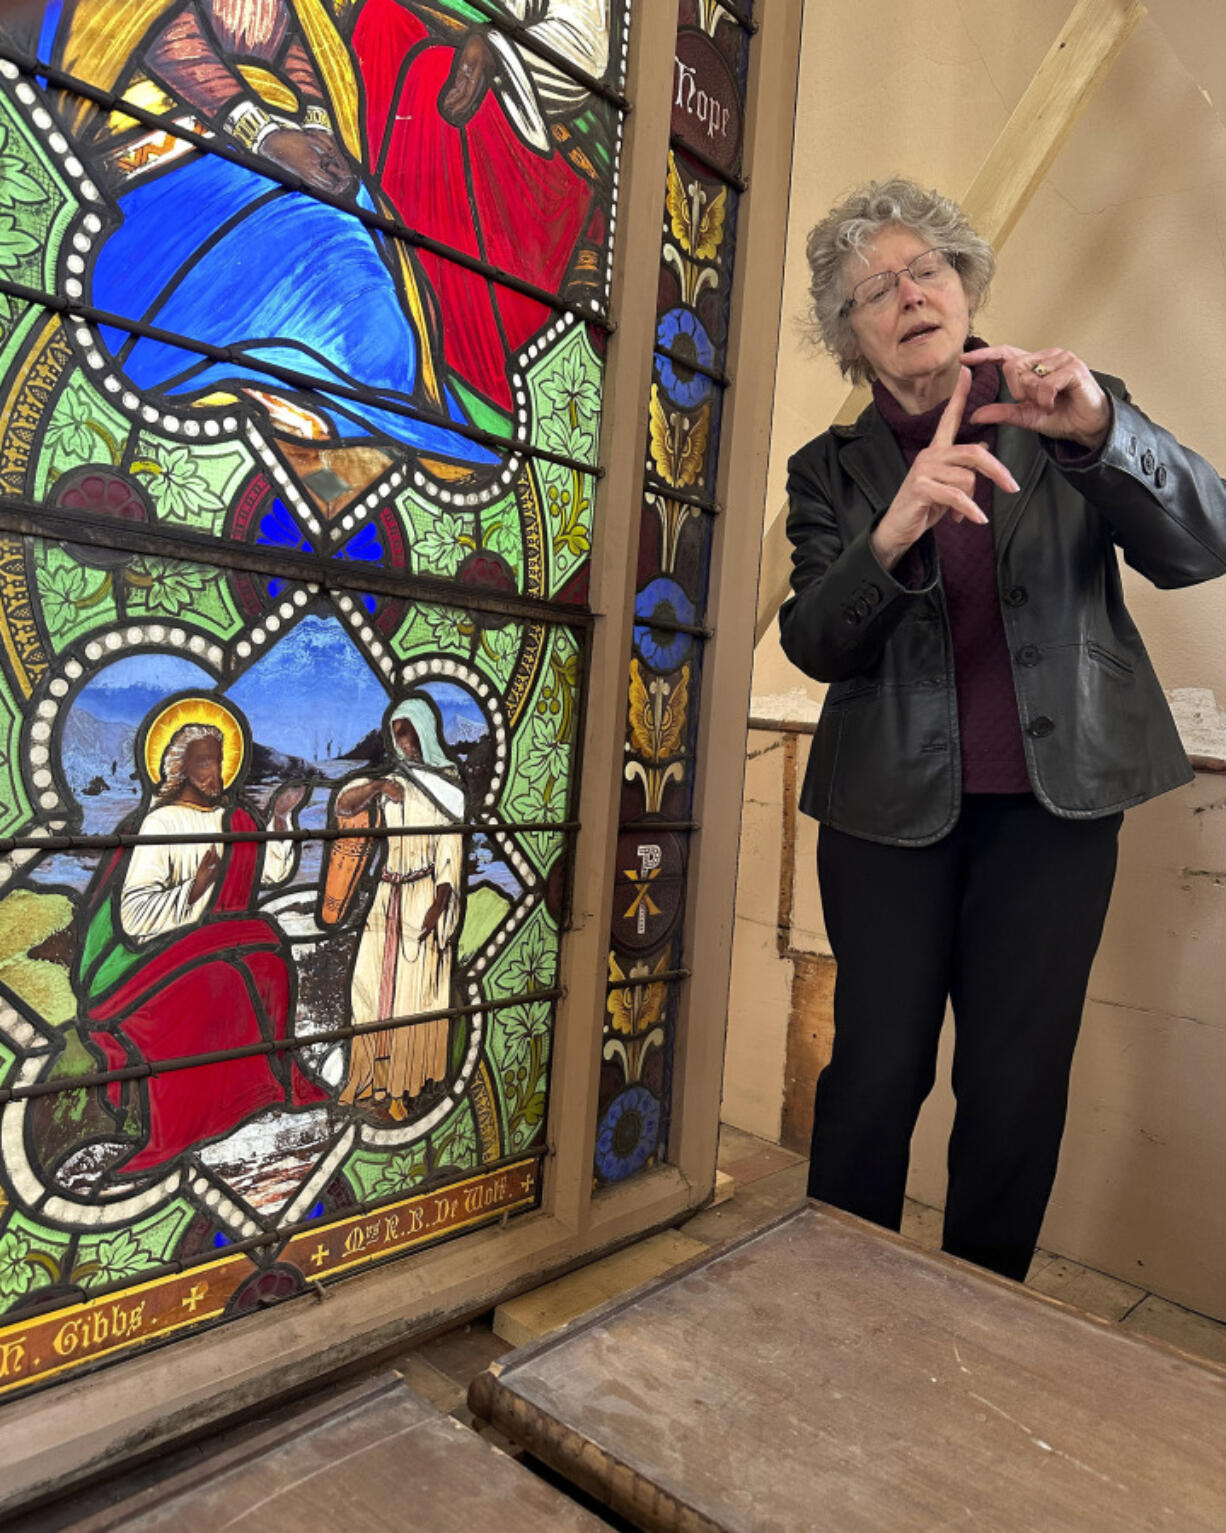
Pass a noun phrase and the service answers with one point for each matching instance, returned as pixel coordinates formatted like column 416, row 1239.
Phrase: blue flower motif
column 278, row 529
column 627, row 1134
column 681, row 332
column 662, row 601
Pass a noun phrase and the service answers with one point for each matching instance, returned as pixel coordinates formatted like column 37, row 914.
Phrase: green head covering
column 420, row 713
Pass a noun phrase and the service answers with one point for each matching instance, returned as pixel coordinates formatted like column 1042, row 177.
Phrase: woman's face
column 913, row 339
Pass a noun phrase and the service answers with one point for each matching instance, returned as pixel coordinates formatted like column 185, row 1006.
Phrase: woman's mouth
column 919, row 333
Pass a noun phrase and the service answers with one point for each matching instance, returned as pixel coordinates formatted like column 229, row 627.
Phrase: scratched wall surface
column 301, row 359
column 1120, row 257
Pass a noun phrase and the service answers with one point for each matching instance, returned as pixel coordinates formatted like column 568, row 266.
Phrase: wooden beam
column 1076, row 65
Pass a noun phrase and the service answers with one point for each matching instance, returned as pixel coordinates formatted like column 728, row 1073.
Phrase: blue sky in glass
column 126, row 690
column 311, row 695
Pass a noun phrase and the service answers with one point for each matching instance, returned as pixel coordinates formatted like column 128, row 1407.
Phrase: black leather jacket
column 1097, row 731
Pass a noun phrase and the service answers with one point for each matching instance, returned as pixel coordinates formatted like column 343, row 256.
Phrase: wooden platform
column 374, row 1459
column 825, row 1374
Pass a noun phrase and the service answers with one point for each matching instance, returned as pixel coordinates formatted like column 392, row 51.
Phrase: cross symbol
column 642, row 905
column 319, row 1255
column 195, row 1297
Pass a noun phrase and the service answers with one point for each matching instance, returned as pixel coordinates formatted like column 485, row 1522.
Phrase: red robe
column 479, row 189
column 223, row 984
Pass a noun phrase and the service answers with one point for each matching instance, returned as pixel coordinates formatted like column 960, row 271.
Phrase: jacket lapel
column 874, row 459
column 1022, row 454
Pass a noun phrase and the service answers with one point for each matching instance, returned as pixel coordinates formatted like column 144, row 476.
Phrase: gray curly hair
column 170, row 768
column 853, row 223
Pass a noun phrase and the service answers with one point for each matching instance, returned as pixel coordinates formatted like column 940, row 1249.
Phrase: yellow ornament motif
column 678, row 442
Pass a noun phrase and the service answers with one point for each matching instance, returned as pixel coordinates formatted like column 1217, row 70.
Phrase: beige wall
column 1122, row 257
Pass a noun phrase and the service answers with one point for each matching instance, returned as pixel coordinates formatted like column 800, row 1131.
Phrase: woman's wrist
column 887, row 550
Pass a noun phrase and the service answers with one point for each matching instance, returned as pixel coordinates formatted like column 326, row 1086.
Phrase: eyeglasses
column 873, row 291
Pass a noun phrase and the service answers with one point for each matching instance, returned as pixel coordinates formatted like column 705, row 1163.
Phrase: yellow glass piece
column 269, row 88
column 195, row 710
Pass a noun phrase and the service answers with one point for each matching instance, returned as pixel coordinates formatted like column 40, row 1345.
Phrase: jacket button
column 1017, row 596
column 1028, row 655
column 873, row 595
column 862, row 608
column 1160, row 475
column 851, row 617
column 1147, row 462
column 1132, row 446
column 1040, row 728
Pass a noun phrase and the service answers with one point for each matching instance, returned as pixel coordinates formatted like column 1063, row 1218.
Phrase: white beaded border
column 74, row 262
column 223, row 1208
column 281, row 477
column 439, row 668
column 192, row 426
column 377, row 494
column 58, row 146
column 39, row 723
column 268, row 628
column 459, row 500
column 498, row 938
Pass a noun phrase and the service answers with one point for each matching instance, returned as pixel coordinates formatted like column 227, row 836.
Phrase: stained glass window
column 303, row 310
column 648, row 963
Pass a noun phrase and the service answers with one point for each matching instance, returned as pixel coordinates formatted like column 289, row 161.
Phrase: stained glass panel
column 647, row 957
column 301, row 368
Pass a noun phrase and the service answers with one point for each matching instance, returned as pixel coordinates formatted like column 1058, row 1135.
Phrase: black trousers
column 1003, row 916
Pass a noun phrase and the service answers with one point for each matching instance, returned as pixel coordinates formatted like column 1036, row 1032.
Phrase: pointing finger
column 951, row 418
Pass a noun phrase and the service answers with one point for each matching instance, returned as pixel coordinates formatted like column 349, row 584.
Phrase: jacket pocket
column 849, row 691
column 1109, row 662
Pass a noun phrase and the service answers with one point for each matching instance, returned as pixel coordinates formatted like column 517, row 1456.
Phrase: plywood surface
column 824, row 1374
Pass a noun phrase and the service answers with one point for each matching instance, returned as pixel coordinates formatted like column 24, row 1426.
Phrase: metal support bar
column 112, row 101
column 150, row 1068
column 728, row 177
column 117, row 842
column 236, row 356
column 26, row 519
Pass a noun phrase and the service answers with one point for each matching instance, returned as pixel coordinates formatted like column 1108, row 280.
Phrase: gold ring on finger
column 1039, row 370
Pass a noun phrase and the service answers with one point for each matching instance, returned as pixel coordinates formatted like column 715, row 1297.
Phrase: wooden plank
column 827, row 1374
column 1075, row 66
column 531, row 1315
column 375, row 1458
column 809, row 1044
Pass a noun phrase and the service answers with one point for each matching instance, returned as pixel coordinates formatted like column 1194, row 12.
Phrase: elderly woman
column 991, row 713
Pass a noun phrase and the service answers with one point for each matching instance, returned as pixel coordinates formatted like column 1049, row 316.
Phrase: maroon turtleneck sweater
column 993, row 760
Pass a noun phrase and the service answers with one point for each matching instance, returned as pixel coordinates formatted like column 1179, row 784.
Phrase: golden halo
column 195, row 710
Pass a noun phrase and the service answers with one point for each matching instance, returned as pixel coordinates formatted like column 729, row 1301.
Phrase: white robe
column 157, row 885
column 398, row 972
column 576, row 29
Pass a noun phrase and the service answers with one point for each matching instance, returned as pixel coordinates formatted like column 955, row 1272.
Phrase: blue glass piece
column 682, row 331
column 50, row 26
column 663, row 601
column 279, row 529
column 216, row 252
column 628, row 1133
column 220, row 1239
column 366, row 546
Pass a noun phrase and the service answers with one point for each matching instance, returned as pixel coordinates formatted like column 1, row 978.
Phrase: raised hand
column 941, row 482
column 286, row 800
column 1054, row 393
column 205, row 873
